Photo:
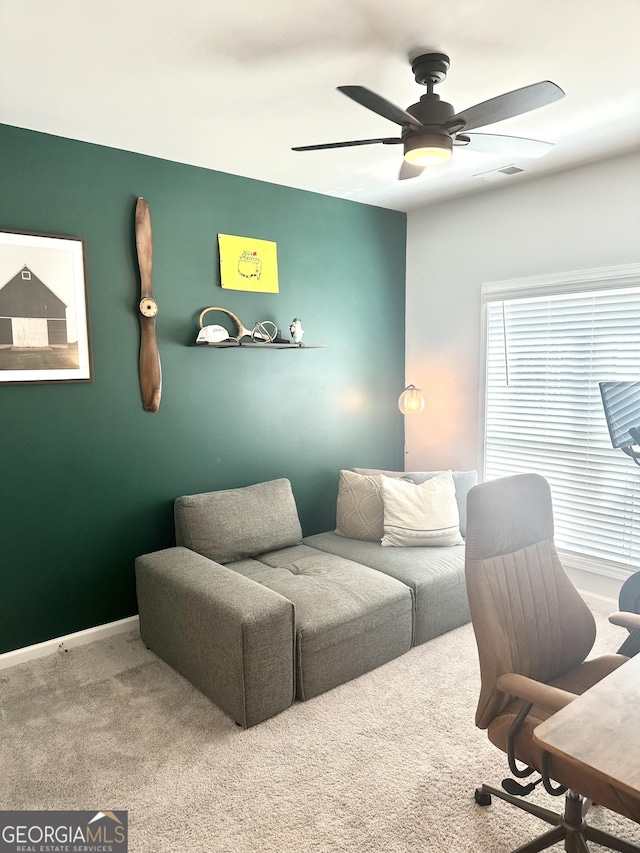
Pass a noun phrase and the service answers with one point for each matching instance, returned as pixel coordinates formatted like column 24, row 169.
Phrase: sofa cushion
column 349, row 618
column 463, row 481
column 435, row 575
column 236, row 523
column 359, row 510
column 422, row 516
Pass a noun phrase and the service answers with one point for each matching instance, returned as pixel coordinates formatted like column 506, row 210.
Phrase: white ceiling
column 233, row 85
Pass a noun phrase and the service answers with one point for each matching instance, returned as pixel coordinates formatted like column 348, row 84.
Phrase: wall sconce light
column 411, row 401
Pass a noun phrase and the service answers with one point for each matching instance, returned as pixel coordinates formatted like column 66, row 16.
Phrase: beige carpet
column 387, row 762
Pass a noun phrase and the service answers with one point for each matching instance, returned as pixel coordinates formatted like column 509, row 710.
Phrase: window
column 549, row 342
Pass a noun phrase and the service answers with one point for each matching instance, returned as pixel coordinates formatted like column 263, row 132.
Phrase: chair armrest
column 550, row 699
column 228, row 635
column 626, row 620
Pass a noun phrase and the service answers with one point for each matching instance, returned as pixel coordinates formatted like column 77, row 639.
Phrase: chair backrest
column 527, row 616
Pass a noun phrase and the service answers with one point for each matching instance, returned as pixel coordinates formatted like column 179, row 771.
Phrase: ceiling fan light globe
column 428, row 149
column 427, row 156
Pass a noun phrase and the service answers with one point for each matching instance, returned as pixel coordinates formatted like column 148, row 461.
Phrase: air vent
column 499, row 174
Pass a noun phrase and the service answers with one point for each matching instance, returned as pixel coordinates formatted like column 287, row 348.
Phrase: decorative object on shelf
column 248, row 264
column 213, row 334
column 149, row 365
column 264, row 331
column 282, row 341
column 44, row 327
column 265, row 334
column 297, row 332
column 411, row 401
column 216, row 335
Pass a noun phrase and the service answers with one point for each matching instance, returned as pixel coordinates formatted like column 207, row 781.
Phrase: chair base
column 570, row 826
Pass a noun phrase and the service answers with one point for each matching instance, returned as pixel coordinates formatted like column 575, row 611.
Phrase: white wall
column 588, row 217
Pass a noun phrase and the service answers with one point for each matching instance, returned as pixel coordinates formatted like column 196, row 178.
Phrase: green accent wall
column 88, row 478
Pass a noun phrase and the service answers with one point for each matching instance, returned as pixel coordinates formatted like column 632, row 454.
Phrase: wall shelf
column 253, row 345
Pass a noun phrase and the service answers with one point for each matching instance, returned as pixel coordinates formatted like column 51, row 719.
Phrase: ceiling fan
column 431, row 127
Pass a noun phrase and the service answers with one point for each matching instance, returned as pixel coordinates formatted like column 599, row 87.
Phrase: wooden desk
column 601, row 729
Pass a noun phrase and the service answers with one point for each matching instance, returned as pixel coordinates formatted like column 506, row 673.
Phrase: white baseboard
column 600, row 602
column 62, row 644
column 600, row 590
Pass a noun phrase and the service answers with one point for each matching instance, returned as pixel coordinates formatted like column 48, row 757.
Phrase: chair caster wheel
column 481, row 798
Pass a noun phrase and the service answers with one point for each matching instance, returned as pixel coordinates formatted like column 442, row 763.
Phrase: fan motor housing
column 430, row 110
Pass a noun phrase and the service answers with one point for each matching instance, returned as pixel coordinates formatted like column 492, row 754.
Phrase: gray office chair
column 533, row 632
column 629, row 602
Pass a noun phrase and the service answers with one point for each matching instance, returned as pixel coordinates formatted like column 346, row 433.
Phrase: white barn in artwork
column 31, row 315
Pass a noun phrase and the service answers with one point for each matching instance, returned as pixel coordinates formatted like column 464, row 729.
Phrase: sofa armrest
column 228, row 635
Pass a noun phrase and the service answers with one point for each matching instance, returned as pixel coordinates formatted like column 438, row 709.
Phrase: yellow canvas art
column 248, row 264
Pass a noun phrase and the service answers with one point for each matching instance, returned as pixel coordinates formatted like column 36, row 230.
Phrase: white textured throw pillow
column 424, row 515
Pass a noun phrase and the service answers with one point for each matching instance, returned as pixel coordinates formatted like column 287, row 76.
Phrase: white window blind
column 545, row 355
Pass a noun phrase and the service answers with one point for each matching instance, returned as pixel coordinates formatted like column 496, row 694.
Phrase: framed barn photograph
column 44, row 326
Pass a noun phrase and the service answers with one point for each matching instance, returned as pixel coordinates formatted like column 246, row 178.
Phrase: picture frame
column 44, row 318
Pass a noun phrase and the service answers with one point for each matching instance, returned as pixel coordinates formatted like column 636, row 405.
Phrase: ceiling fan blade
column 379, row 105
column 386, row 141
column 408, row 170
column 513, row 146
column 506, row 106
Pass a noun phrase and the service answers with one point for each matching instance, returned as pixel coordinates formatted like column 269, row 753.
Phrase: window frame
column 575, row 281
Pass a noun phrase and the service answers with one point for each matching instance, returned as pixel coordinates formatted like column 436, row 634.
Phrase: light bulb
column 427, row 156
column 428, row 149
column 411, row 401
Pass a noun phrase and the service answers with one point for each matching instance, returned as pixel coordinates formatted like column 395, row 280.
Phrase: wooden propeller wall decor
column 150, row 370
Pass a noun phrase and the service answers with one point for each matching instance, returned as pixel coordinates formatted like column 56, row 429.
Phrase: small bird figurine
column 296, row 330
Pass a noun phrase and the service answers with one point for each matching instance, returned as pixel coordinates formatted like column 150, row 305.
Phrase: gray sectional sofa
column 255, row 615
